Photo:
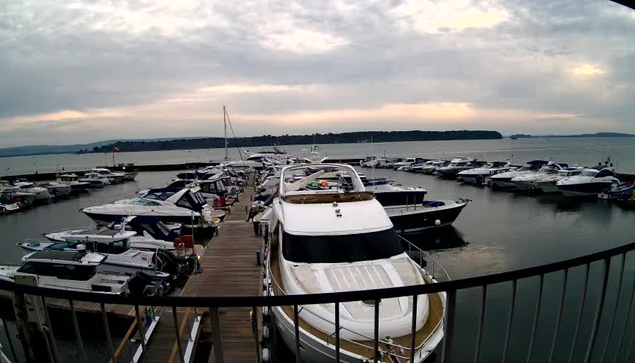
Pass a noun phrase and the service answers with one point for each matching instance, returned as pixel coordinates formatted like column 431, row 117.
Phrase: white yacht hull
column 315, row 350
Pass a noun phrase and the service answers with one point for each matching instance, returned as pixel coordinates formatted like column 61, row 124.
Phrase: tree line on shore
column 269, row 140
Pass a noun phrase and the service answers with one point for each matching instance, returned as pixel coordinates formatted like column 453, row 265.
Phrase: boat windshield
column 589, row 173
column 338, row 249
column 64, row 272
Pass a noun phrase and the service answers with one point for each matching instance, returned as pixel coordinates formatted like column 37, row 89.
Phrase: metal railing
column 615, row 329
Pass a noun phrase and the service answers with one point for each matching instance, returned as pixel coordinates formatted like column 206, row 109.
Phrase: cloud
column 94, row 68
column 588, row 70
column 435, row 17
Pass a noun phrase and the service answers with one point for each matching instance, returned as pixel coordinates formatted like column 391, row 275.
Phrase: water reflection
column 438, row 238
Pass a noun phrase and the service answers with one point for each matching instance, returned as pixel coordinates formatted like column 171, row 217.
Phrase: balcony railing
column 599, row 336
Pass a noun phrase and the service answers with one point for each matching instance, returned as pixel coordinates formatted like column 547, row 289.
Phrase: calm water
column 583, row 151
column 498, row 231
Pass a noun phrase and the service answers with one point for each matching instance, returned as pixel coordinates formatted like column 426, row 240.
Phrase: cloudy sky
column 74, row 72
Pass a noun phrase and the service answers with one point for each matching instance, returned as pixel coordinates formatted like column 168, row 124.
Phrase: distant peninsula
column 269, row 140
column 597, row 134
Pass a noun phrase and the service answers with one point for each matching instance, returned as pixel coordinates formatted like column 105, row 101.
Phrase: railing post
column 104, row 317
column 617, row 303
column 448, row 339
column 560, row 310
column 580, row 313
column 216, row 335
column 481, row 322
column 510, row 320
column 254, row 321
column 337, row 332
column 141, row 333
column 296, row 323
column 598, row 311
column 628, row 316
column 178, row 334
column 78, row 335
column 6, row 332
column 413, row 330
column 376, row 330
column 536, row 318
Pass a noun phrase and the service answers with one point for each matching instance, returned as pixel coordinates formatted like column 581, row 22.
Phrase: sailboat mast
column 225, row 124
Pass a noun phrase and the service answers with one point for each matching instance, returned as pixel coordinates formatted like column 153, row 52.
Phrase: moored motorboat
column 590, row 182
column 95, row 180
column 477, row 176
column 457, row 165
column 77, row 271
column 42, row 195
column 72, row 180
column 527, row 181
column 186, row 206
column 349, row 244
column 504, row 180
column 115, row 178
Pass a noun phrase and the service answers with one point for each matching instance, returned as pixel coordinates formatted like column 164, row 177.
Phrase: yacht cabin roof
column 65, row 257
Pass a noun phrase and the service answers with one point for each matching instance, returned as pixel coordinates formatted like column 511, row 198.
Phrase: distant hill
column 597, row 134
column 330, row 138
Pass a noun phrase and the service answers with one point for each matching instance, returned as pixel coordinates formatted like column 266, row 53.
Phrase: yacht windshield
column 338, row 249
column 589, row 173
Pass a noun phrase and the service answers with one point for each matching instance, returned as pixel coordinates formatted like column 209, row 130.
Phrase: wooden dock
column 228, row 269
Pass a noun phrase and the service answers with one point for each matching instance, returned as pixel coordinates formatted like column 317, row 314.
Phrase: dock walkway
column 228, row 269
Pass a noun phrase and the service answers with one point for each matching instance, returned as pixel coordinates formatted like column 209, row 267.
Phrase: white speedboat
column 66, row 270
column 405, row 163
column 143, row 233
column 547, row 183
column 590, row 182
column 432, row 168
column 504, row 180
column 41, row 194
column 186, row 206
column 10, row 194
column 116, row 178
column 95, row 180
column 57, row 189
column 477, row 176
column 72, row 180
column 337, row 238
column 527, row 181
column 457, row 165
column 7, row 208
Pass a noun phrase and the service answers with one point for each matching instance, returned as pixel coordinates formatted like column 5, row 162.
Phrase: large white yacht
column 328, row 236
column 504, row 180
column 185, row 206
column 41, row 194
column 590, row 182
column 527, row 181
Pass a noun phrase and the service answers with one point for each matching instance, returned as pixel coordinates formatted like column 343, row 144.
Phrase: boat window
column 604, row 173
column 199, row 198
column 184, row 202
column 337, row 249
column 65, row 272
column 177, row 184
column 589, row 173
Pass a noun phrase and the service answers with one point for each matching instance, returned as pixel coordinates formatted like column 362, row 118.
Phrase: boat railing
column 591, row 295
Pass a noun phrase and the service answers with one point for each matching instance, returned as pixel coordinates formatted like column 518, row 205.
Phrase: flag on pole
column 115, row 149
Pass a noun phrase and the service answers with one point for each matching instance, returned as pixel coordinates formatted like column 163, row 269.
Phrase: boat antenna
column 225, row 126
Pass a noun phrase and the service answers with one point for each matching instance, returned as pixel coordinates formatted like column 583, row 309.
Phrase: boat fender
column 265, row 311
column 265, row 332
column 437, row 222
column 265, row 355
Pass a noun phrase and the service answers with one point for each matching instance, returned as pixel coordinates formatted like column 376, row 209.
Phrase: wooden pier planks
column 229, row 269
